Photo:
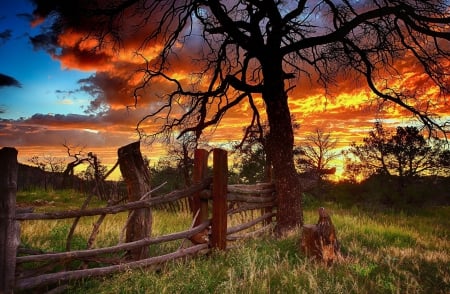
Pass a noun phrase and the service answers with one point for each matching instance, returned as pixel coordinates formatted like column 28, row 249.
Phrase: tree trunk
column 280, row 143
column 137, row 178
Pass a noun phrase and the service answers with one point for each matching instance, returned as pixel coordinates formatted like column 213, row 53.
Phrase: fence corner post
column 219, row 213
column 9, row 229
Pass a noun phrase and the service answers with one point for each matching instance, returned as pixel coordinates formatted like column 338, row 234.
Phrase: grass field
column 386, row 251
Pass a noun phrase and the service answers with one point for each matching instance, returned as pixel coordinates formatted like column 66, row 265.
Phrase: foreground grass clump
column 385, row 252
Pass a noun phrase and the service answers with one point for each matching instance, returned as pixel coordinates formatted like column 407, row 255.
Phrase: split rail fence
column 214, row 203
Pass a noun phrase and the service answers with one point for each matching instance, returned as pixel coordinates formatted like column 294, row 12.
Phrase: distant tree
column 405, row 153
column 251, row 165
column 316, row 153
column 444, row 162
column 243, row 51
column 313, row 162
column 78, row 157
column 181, row 154
column 49, row 164
column 95, row 173
column 166, row 171
column 354, row 171
column 99, row 170
column 372, row 155
column 413, row 154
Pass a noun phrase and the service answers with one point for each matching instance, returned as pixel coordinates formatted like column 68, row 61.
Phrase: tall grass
column 385, row 252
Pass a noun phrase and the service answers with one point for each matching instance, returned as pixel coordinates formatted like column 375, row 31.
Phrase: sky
column 54, row 95
column 42, row 105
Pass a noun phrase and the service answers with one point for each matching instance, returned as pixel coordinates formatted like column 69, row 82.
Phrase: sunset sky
column 50, row 96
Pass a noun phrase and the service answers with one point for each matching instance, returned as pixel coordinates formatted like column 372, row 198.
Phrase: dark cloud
column 106, row 90
column 63, row 120
column 5, row 36
column 78, row 19
column 47, row 42
column 52, row 129
column 66, row 13
column 7, row 81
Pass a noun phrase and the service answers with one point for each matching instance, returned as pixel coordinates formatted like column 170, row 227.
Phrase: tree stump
column 319, row 240
column 137, row 177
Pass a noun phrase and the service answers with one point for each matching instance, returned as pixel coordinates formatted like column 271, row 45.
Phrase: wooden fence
column 214, row 202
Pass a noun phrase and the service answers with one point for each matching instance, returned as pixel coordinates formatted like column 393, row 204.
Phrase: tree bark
column 280, row 150
column 137, row 178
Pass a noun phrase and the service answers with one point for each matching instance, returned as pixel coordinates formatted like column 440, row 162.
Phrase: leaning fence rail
column 47, row 279
column 81, row 254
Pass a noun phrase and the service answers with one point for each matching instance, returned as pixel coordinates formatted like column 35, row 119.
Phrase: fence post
column 137, row 177
column 200, row 173
column 9, row 228
column 219, row 213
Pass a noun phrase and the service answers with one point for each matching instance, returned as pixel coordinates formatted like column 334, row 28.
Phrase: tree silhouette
column 444, row 162
column 78, row 157
column 405, row 153
column 243, row 51
column 316, row 154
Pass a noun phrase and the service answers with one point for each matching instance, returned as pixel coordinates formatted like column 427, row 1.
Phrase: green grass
column 385, row 252
column 52, row 200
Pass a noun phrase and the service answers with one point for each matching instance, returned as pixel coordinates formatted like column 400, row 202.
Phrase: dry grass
column 386, row 252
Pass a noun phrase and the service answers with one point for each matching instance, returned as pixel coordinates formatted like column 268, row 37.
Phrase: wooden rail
column 47, row 279
column 80, row 254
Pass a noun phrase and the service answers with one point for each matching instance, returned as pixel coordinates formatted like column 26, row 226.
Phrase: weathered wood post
column 9, row 228
column 219, row 191
column 137, row 177
column 199, row 205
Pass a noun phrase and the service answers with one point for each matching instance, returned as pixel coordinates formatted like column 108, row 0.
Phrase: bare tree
column 78, row 157
column 247, row 50
column 51, row 166
column 316, row 154
column 182, row 154
column 48, row 163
